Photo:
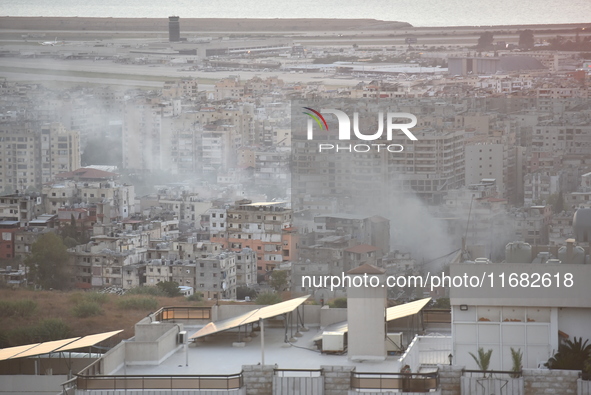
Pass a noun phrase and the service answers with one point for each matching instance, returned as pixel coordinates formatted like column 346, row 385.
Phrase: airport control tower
column 174, row 29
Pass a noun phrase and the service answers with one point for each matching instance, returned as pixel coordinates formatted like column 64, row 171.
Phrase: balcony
column 404, row 382
column 231, row 383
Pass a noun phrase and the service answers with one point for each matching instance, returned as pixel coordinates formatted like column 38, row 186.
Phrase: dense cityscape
column 176, row 164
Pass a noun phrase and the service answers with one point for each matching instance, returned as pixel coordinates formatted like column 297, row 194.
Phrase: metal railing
column 69, row 387
column 298, row 372
column 183, row 313
column 298, row 381
column 492, row 373
column 161, row 382
column 406, row 382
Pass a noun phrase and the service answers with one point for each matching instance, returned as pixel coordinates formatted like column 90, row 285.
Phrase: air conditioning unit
column 394, row 342
column 333, row 342
column 182, row 337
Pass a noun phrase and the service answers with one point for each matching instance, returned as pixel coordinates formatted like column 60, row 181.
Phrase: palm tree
column 483, row 360
column 517, row 357
column 571, row 355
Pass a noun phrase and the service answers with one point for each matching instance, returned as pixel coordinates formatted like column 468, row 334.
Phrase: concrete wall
column 145, row 331
column 232, row 310
column 550, row 382
column 113, row 359
column 450, row 379
column 366, row 307
column 312, row 314
column 30, row 384
column 337, row 379
column 152, row 352
column 535, row 381
column 26, row 366
column 577, row 295
column 258, row 379
column 330, row 316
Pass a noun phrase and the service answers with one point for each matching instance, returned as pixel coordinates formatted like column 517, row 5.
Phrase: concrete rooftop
column 218, row 356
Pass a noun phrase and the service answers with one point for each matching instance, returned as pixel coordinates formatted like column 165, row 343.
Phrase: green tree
column 485, row 40
column 526, row 39
column 517, row 358
column 170, row 288
column 571, row 355
column 52, row 329
column 48, row 262
column 483, row 360
column 278, row 280
column 243, row 291
column 586, row 369
column 267, row 298
column 338, row 303
column 442, row 303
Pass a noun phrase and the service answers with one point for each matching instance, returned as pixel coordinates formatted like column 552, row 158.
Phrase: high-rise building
column 32, row 153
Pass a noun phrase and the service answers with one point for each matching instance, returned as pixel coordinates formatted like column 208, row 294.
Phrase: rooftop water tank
column 582, row 225
column 578, row 255
column 518, row 252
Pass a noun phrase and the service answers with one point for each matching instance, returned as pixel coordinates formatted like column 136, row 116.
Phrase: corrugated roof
column 250, row 317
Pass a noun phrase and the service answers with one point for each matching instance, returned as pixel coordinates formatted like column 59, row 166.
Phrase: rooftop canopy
column 250, row 317
column 73, row 343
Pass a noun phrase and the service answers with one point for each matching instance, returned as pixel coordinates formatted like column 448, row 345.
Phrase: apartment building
column 146, row 144
column 229, row 88
column 266, row 228
column 21, row 207
column 33, row 153
column 91, row 187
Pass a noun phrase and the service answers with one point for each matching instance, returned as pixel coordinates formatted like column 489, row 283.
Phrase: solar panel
column 404, row 310
column 73, row 343
column 88, row 341
column 6, row 353
column 44, row 348
column 250, row 317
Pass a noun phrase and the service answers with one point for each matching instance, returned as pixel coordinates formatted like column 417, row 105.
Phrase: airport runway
column 98, row 72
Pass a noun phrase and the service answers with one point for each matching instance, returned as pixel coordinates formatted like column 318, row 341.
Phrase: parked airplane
column 52, row 43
